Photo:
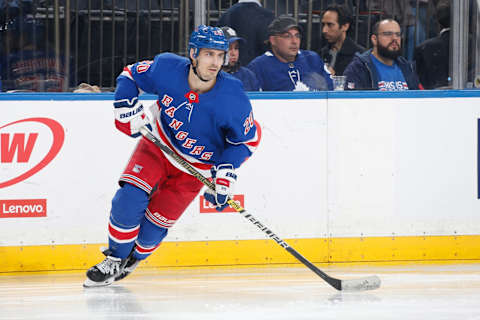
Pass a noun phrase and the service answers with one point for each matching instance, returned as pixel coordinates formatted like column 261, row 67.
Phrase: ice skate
column 131, row 264
column 104, row 273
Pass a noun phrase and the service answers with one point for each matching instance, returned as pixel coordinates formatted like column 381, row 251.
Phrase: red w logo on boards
column 27, row 146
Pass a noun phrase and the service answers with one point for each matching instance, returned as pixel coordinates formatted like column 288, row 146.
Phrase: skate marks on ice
column 414, row 292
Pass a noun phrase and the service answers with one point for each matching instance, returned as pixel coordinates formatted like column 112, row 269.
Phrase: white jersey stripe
column 122, row 241
column 136, row 182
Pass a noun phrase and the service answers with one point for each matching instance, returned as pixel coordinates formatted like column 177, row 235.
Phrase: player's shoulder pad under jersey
column 162, row 63
column 231, row 89
column 171, row 59
column 234, row 109
column 230, row 83
column 146, row 74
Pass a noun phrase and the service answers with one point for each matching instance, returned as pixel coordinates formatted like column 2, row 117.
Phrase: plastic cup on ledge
column 338, row 83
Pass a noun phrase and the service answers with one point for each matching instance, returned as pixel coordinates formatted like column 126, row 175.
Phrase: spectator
column 87, row 88
column 432, row 57
column 27, row 65
column 423, row 22
column 250, row 20
column 248, row 78
column 341, row 49
column 286, row 67
column 13, row 8
column 382, row 68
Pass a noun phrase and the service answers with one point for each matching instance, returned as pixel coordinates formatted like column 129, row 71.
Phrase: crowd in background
column 32, row 58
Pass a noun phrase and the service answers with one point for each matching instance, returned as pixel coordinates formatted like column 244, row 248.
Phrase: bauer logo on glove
column 130, row 117
column 131, row 113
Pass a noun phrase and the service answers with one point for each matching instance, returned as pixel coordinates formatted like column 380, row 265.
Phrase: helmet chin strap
column 195, row 71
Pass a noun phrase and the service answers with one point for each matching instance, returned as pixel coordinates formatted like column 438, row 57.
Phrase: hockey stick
column 367, row 283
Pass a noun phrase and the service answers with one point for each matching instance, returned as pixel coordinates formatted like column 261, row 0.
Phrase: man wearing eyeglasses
column 382, row 67
column 287, row 68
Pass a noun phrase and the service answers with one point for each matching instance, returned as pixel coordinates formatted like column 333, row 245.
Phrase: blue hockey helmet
column 207, row 37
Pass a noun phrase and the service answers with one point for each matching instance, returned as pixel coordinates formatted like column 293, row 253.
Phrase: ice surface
column 409, row 292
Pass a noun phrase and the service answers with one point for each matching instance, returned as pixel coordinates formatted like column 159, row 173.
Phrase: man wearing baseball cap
column 232, row 66
column 285, row 67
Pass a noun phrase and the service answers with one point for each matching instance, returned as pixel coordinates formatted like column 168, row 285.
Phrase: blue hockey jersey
column 248, row 78
column 205, row 129
column 306, row 73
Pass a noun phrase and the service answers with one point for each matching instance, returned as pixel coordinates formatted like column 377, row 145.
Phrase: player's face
column 233, row 53
column 331, row 30
column 388, row 40
column 286, row 45
column 209, row 62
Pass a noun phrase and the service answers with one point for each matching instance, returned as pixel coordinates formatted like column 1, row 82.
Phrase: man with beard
column 287, row 68
column 341, row 49
column 248, row 78
column 382, row 68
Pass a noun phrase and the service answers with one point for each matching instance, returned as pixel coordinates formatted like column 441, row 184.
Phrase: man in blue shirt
column 287, row 68
column 382, row 68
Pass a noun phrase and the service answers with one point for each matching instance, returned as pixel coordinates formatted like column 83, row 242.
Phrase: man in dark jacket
column 382, row 68
column 250, row 20
column 341, row 49
column 432, row 57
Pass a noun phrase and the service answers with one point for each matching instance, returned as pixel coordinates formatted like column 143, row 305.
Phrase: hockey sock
column 149, row 238
column 128, row 209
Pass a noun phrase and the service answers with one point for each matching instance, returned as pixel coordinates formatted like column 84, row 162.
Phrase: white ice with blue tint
column 407, row 292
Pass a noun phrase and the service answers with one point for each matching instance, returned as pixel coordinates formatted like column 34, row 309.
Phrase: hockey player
column 287, row 68
column 203, row 115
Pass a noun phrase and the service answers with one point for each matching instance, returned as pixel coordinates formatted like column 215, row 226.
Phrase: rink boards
column 343, row 176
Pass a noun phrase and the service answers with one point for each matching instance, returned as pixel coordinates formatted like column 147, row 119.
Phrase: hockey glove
column 224, row 178
column 129, row 119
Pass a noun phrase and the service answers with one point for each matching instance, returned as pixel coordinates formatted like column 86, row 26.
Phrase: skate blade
column 92, row 284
